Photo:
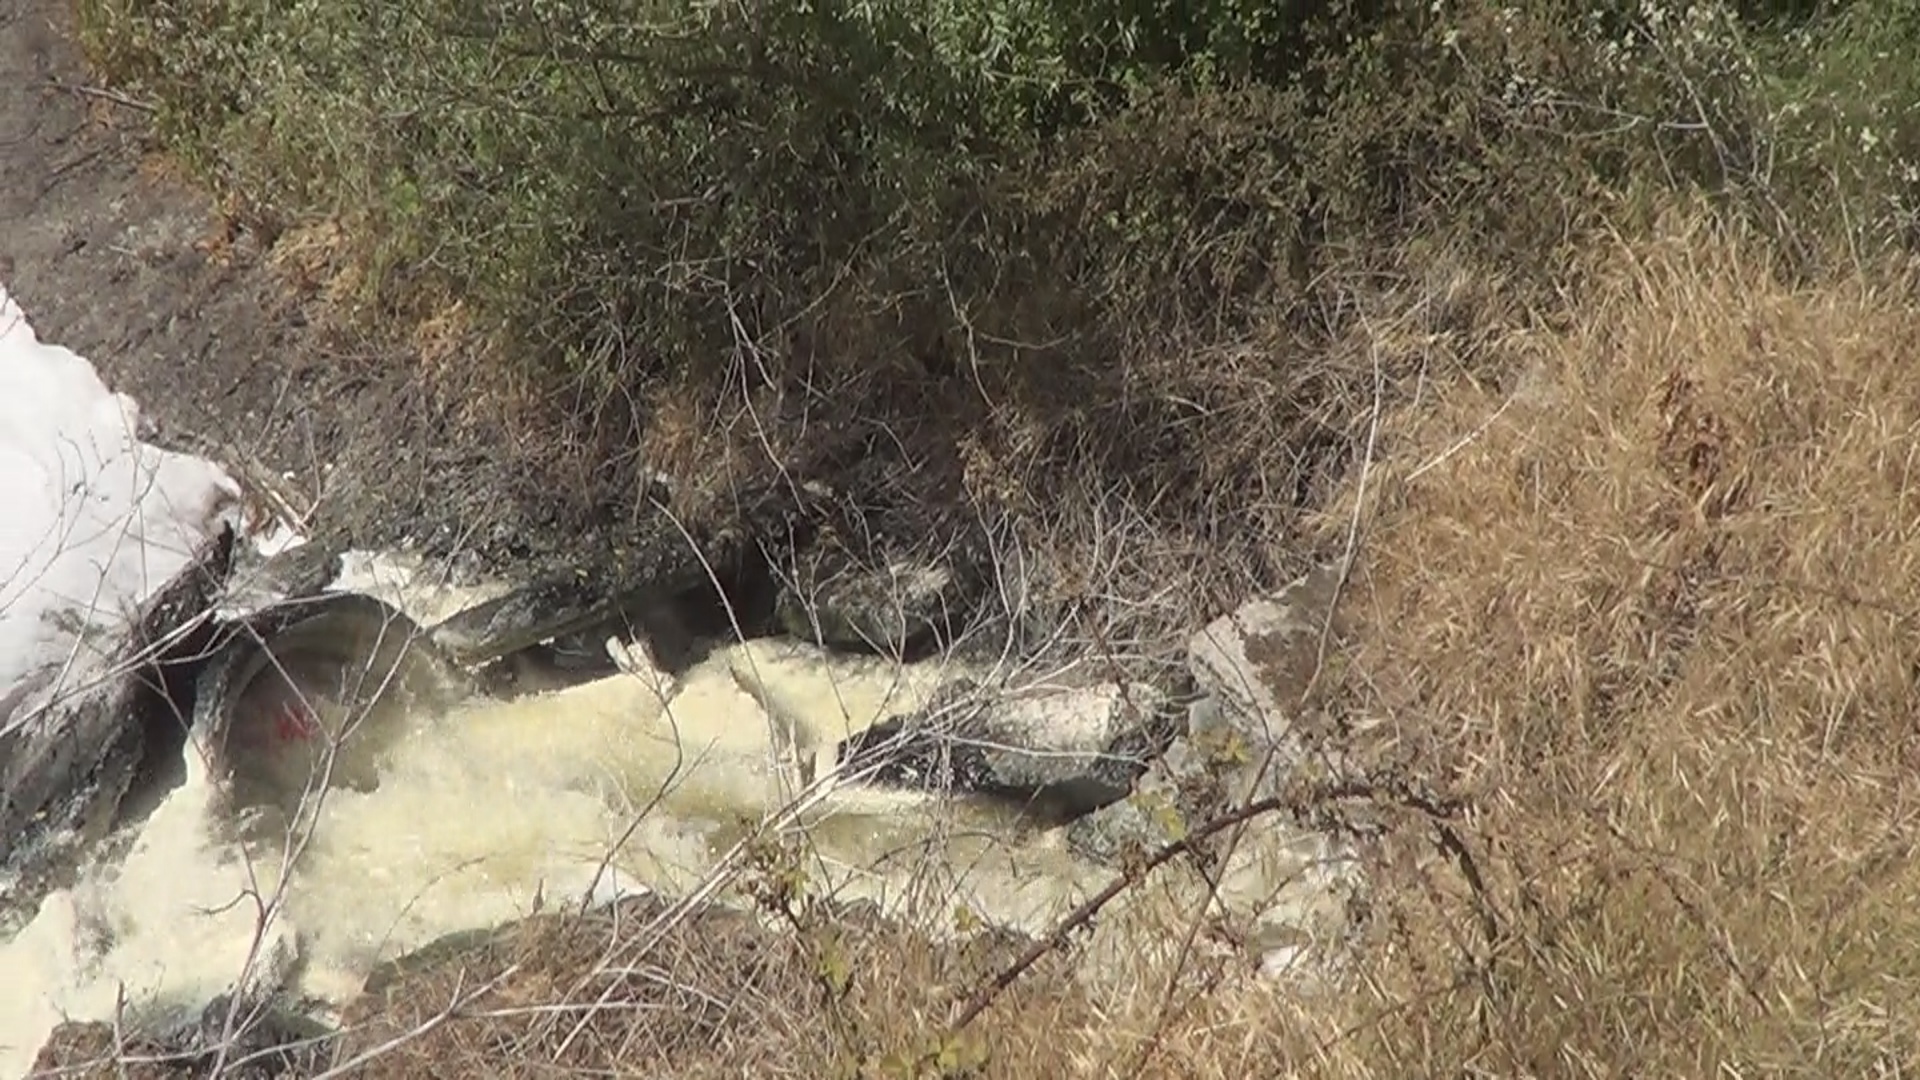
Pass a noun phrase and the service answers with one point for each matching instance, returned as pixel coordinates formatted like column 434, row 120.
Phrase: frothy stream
column 483, row 808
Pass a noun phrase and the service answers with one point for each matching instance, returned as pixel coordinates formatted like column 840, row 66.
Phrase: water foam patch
column 181, row 919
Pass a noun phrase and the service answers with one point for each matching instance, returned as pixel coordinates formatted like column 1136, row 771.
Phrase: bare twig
column 1138, row 872
column 100, row 93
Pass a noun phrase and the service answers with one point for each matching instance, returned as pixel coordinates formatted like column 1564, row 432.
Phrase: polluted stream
column 444, row 816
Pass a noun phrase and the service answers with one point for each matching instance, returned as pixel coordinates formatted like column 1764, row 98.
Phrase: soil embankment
column 120, row 258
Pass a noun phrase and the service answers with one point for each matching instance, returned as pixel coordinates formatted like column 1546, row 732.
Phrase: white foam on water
column 504, row 802
column 485, row 812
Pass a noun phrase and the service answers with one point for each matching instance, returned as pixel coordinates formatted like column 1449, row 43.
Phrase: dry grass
column 312, row 259
column 722, row 997
column 1656, row 621
column 712, row 996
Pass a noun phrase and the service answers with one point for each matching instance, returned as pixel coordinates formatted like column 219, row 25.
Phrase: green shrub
column 1846, row 101
column 658, row 166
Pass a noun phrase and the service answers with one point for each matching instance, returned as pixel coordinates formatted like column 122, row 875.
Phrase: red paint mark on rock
column 293, row 721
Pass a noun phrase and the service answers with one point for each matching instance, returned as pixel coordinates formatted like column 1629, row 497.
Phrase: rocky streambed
column 388, row 760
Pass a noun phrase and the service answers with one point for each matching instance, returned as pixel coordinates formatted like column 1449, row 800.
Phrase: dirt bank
column 119, row 257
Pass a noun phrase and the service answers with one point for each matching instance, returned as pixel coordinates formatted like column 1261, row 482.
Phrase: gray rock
column 258, row 581
column 558, row 628
column 1256, row 662
column 1066, row 750
column 523, row 618
column 71, row 742
column 319, row 682
column 1172, row 794
column 1284, row 889
column 675, row 590
column 1252, row 666
column 554, row 665
column 898, row 609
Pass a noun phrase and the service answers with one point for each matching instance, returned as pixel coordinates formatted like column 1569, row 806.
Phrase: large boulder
column 1066, row 750
column 900, row 608
column 662, row 584
column 260, row 581
column 1255, row 665
column 1240, row 743
column 313, row 691
column 1280, row 883
column 73, row 738
column 550, row 634
column 1175, row 790
column 530, row 615
column 560, row 626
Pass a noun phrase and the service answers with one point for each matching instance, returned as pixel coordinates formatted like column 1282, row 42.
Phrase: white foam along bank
column 93, row 521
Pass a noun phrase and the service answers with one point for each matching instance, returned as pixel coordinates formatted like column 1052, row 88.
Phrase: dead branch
column 1138, row 872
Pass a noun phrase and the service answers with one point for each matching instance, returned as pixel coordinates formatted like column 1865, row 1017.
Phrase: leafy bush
column 652, row 172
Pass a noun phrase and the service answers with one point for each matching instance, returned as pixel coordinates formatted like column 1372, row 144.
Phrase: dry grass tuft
column 718, row 995
column 316, row 258
column 723, row 996
column 1656, row 620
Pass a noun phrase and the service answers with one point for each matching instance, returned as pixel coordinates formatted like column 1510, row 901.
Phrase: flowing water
column 482, row 810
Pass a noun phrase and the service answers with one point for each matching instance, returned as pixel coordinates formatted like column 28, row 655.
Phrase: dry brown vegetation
column 708, row 996
column 627, row 993
column 1655, row 621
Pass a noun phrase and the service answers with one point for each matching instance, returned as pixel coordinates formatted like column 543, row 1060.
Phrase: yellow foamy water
column 483, row 811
